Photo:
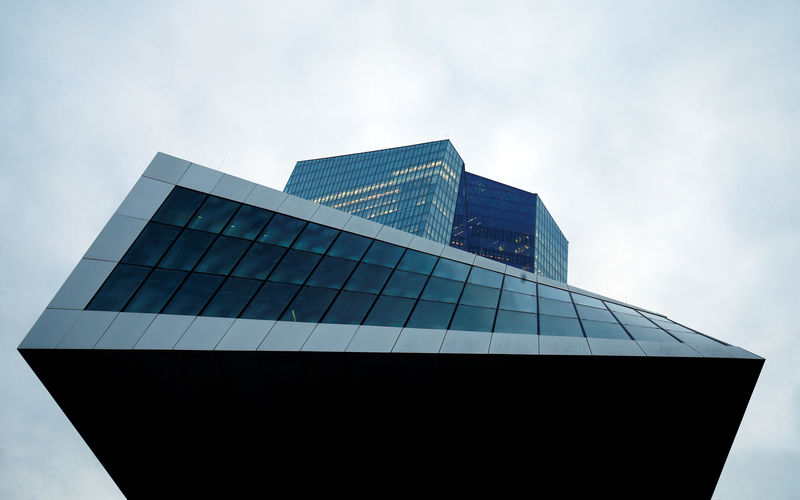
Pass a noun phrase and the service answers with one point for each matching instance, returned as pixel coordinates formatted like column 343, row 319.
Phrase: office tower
column 224, row 338
column 424, row 189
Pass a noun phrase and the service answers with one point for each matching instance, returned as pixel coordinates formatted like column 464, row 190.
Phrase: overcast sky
column 663, row 138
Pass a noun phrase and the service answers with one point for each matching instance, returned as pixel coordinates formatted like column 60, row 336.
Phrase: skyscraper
column 221, row 337
column 424, row 189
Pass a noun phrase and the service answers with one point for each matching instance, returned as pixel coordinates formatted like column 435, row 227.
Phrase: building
column 224, row 338
column 424, row 190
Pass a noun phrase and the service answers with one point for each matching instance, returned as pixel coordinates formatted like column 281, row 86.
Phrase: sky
column 663, row 138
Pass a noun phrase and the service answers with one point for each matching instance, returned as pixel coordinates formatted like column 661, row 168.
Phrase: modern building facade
column 425, row 190
column 221, row 337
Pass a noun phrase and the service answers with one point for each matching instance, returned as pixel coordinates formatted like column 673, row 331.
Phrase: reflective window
column 618, row 308
column 473, row 318
column 223, row 255
column 315, row 238
column 187, row 250
column 594, row 313
column 451, row 269
column 389, row 311
column 118, row 288
column 556, row 307
column 405, row 284
column 649, row 334
column 631, row 319
column 156, row 291
column 179, row 206
column 476, row 295
column 309, row 305
column 553, row 293
column 515, row 322
column 603, row 330
column 485, row 277
column 281, row 230
column 587, row 301
column 259, row 261
column 270, row 301
column 695, row 339
column 417, row 262
column 383, row 254
column 514, row 301
column 669, row 325
column 295, row 267
column 368, row 278
column 231, row 298
column 430, row 314
column 519, row 285
column 442, row 290
column 151, row 244
column 558, row 325
column 349, row 246
column 349, row 308
column 332, row 272
column 248, row 222
column 193, row 294
column 213, row 214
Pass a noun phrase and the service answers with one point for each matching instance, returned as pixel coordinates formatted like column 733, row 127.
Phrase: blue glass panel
column 179, row 206
column 349, row 308
column 332, row 272
column 430, row 314
column 231, row 298
column 451, row 270
column 118, row 288
column 295, row 267
column 315, row 238
column 270, row 301
column 213, row 214
column 514, row 301
column 156, row 291
column 442, row 290
column 519, row 285
column 309, row 305
column 389, row 311
column 618, row 308
column 556, row 307
column 405, row 284
column 151, row 244
column 368, row 278
column 417, row 262
column 603, row 330
column 485, row 277
column 558, row 325
column 587, row 301
column 553, row 293
column 193, row 294
column 383, row 254
column 258, row 261
column 248, row 222
column 649, row 334
column 349, row 246
column 223, row 255
column 476, row 295
column 515, row 322
column 593, row 313
column 281, row 230
column 187, row 250
column 473, row 318
column 630, row 319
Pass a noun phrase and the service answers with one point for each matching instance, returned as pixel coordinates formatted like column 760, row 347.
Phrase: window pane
column 259, row 261
column 118, row 288
column 151, row 244
column 383, row 254
column 223, row 255
column 349, row 308
column 332, row 272
column 213, row 214
column 476, row 295
column 315, row 238
column 429, row 314
column 349, row 246
column 187, row 250
column 417, row 262
column 554, row 293
column 193, row 294
column 248, row 222
column 156, row 291
column 485, row 277
column 368, row 278
column 451, row 270
column 515, row 322
column 587, row 301
column 556, row 307
column 519, row 285
column 179, row 206
column 442, row 290
column 618, row 308
column 231, row 298
column 594, row 313
column 473, row 318
column 295, row 267
column 651, row 334
column 557, row 325
column 518, row 302
column 390, row 311
column 405, row 284
column 630, row 319
column 281, row 230
column 600, row 329
column 270, row 301
column 309, row 305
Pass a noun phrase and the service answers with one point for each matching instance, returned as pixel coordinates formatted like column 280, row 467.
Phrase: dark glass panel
column 519, row 285
column 309, row 305
column 696, row 339
column 349, row 246
column 515, row 322
column 193, row 294
column 451, row 270
column 417, row 262
column 473, row 318
column 223, row 255
column 430, row 314
column 179, row 206
column 650, row 334
column 556, row 307
column 156, row 291
column 213, row 215
column 442, row 290
column 618, row 308
column 390, row 311
column 630, row 319
column 518, row 302
column 118, row 288
column 383, row 254
column 483, row 296
column 332, row 272
column 485, row 277
column 270, row 301
column 368, row 278
column 587, row 301
column 295, row 267
column 259, row 261
column 603, row 330
column 593, row 313
column 558, row 325
column 669, row 325
column 248, row 222
column 405, row 284
column 315, row 238
column 186, row 250
column 553, row 293
column 231, row 298
column 151, row 244
column 349, row 308
column 281, row 230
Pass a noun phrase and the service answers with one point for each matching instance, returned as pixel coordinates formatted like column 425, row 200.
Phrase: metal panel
column 287, row 336
column 330, row 337
column 233, row 188
column 164, row 331
column 298, row 207
column 426, row 245
column 204, row 333
column 374, row 339
column 563, row 345
column 49, row 328
column 464, row 342
column 166, row 168
column 145, row 198
column 126, row 329
column 331, row 217
column 514, row 343
column 394, row 236
column 82, row 284
column 363, row 227
column 200, row 178
column 419, row 340
column 458, row 255
column 87, row 330
column 490, row 264
column 265, row 197
column 614, row 347
column 115, row 238
column 245, row 335
column 667, row 349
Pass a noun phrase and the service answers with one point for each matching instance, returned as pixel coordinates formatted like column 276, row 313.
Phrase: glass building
column 424, row 189
column 219, row 336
